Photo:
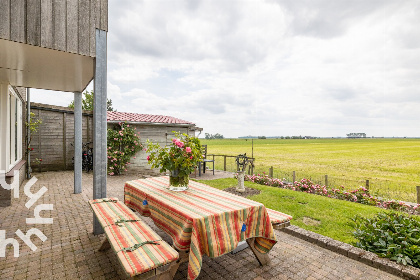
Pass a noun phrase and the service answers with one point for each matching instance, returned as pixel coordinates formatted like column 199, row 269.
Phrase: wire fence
column 379, row 188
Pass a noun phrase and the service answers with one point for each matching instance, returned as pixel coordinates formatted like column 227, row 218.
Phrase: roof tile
column 134, row 117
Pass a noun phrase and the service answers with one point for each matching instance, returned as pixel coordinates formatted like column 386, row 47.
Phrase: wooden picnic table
column 202, row 220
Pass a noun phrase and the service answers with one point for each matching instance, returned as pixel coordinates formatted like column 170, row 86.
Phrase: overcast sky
column 303, row 67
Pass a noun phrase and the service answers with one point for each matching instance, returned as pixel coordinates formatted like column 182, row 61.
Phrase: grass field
column 392, row 166
column 323, row 215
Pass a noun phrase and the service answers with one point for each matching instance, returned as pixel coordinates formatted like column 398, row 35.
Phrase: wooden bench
column 278, row 220
column 141, row 251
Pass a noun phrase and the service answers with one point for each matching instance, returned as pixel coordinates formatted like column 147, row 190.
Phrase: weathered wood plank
column 104, row 15
column 17, row 21
column 33, row 22
column 84, row 27
column 5, row 19
column 94, row 23
column 72, row 26
column 46, row 24
column 59, row 25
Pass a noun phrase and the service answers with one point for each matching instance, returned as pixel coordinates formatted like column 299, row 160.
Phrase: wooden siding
column 53, row 142
column 56, row 24
column 157, row 134
column 55, row 136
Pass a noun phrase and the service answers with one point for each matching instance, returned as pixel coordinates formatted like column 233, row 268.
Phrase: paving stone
column 70, row 252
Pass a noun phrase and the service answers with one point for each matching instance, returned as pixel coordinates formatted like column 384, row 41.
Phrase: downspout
column 28, row 132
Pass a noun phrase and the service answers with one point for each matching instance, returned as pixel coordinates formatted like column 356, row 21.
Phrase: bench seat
column 278, row 220
column 139, row 249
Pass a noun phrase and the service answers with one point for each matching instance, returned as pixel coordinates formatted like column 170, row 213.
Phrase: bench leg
column 263, row 259
column 105, row 245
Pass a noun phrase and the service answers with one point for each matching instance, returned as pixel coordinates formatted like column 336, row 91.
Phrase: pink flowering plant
column 123, row 144
column 358, row 195
column 180, row 157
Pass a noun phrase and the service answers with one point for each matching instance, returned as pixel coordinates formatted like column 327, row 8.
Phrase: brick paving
column 70, row 251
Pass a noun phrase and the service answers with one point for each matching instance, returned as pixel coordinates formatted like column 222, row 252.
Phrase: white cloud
column 322, row 68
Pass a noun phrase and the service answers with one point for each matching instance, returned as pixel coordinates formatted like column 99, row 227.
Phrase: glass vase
column 178, row 182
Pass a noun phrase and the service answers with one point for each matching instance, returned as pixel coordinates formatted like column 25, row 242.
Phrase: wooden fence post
column 224, row 163
column 367, row 184
column 294, row 177
column 326, row 180
column 270, row 172
column 418, row 194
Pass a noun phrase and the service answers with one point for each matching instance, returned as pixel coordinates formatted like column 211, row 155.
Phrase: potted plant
column 180, row 158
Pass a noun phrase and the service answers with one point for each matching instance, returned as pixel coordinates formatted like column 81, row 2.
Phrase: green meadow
column 323, row 215
column 392, row 166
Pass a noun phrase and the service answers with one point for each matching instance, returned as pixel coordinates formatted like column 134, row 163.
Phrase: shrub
column 359, row 195
column 390, row 235
column 123, row 143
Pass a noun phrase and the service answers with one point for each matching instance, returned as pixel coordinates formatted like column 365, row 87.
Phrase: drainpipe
column 28, row 131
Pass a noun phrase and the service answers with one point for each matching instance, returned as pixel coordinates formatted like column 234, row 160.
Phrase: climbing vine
column 123, row 144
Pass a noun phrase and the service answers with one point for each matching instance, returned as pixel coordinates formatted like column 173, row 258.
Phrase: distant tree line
column 214, row 136
column 278, row 137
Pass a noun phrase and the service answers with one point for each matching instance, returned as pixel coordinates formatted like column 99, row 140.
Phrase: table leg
column 184, row 256
column 105, row 245
column 263, row 259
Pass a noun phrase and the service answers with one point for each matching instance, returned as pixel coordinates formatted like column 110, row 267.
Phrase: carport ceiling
column 35, row 67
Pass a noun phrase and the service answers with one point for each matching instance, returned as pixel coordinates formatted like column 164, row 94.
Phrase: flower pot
column 178, row 182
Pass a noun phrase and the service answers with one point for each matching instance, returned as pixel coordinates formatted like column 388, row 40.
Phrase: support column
column 99, row 123
column 28, row 132
column 77, row 142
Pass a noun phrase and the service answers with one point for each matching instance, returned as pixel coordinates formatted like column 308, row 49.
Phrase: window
column 12, row 124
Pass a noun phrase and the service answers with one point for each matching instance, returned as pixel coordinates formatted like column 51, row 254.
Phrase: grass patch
column 391, row 165
column 323, row 215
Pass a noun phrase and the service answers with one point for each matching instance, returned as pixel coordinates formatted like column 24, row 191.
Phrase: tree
column 87, row 102
column 215, row 136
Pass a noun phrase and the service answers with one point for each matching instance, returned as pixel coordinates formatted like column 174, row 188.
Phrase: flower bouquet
column 180, row 158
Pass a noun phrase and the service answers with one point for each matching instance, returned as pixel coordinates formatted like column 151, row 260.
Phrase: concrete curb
column 369, row 258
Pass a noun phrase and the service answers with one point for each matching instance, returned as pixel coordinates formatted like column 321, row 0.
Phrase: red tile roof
column 142, row 118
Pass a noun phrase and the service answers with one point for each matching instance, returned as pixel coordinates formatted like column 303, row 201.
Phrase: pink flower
column 148, row 158
column 112, row 173
column 188, row 149
column 191, row 157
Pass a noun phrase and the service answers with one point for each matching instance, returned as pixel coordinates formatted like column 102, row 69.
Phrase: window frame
column 14, row 122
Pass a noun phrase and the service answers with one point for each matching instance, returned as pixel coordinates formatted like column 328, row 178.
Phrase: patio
column 70, row 252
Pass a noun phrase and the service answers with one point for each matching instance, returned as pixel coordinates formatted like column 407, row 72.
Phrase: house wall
column 53, row 141
column 64, row 25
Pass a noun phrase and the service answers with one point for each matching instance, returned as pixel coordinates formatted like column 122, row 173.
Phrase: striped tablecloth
column 203, row 220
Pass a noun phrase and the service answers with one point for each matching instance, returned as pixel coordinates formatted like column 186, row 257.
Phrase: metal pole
column 418, row 194
column 99, row 123
column 28, row 131
column 77, row 142
column 252, row 141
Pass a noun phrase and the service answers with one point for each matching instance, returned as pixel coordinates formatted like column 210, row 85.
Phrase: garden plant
column 123, row 144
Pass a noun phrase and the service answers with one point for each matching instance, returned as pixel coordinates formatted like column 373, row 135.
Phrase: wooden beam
column 72, row 26
column 17, row 21
column 47, row 24
column 33, row 22
column 59, row 25
column 84, row 27
column 5, row 19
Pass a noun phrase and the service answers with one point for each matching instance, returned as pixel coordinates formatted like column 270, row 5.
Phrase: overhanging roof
column 36, row 67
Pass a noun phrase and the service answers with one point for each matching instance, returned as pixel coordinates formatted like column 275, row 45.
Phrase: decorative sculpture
column 241, row 163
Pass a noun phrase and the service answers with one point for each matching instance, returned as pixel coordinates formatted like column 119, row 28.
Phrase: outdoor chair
column 205, row 161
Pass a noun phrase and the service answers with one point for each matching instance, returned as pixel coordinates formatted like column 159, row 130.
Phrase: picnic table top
column 203, row 220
